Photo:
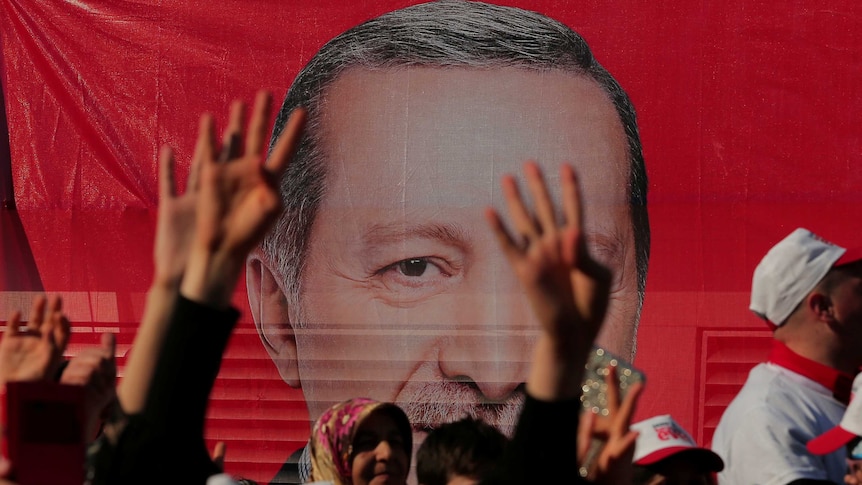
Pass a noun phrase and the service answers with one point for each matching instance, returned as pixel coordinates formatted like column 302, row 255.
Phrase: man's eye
column 418, row 275
column 412, row 266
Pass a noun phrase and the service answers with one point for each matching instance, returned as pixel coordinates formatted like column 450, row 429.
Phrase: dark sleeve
column 187, row 367
column 167, row 438
column 809, row 481
column 289, row 472
column 544, row 447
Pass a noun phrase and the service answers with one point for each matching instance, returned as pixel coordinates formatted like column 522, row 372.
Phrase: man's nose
column 490, row 344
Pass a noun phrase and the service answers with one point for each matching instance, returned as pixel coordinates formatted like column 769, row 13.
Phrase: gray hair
column 445, row 33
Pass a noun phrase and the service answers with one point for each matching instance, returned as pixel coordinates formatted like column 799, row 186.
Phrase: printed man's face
column 407, row 297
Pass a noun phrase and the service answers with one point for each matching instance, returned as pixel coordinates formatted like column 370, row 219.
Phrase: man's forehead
column 421, row 134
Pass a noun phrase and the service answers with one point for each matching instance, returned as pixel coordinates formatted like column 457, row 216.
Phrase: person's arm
column 95, row 368
column 567, row 287
column 569, row 292
column 174, row 233
column 611, row 435
column 237, row 200
column 174, row 230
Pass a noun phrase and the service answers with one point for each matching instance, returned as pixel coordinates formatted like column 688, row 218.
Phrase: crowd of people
column 796, row 420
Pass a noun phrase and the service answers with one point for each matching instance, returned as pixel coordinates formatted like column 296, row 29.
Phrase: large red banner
column 747, row 114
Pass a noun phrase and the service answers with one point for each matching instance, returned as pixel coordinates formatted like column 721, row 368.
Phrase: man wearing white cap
column 810, row 292
column 665, row 454
column 846, row 436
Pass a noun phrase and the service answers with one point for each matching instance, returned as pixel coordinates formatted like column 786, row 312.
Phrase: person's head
column 382, row 276
column 854, row 461
column 846, row 437
column 809, row 290
column 361, row 441
column 665, row 454
column 460, row 453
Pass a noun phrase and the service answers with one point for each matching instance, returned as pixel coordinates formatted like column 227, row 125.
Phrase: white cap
column 221, row 479
column 661, row 437
column 790, row 270
column 849, row 427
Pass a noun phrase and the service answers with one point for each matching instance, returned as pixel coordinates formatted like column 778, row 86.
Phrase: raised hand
column 34, row 353
column 174, row 229
column 238, row 198
column 567, row 288
column 95, row 368
column 174, row 233
column 606, row 445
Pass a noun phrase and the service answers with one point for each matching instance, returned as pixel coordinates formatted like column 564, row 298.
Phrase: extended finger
column 587, row 422
column 109, row 352
column 259, row 123
column 232, row 140
column 218, row 454
column 55, row 305
column 623, row 446
column 61, row 333
column 59, row 328
column 573, row 242
column 109, row 345
column 193, row 182
column 13, row 323
column 570, row 191
column 287, row 143
column 541, row 198
column 205, row 145
column 612, row 391
column 504, row 239
column 37, row 313
column 629, row 405
column 522, row 221
column 167, row 183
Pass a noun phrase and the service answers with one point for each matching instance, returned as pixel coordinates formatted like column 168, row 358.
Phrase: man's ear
column 821, row 305
column 271, row 317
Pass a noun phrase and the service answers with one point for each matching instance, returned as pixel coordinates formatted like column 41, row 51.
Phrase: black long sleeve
column 165, row 443
column 544, row 448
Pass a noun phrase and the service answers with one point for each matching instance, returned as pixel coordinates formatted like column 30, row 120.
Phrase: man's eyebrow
column 609, row 244
column 393, row 233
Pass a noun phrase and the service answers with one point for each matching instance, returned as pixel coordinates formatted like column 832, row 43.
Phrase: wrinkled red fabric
column 748, row 113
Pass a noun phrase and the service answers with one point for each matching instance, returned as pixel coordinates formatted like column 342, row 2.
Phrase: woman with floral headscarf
column 361, row 441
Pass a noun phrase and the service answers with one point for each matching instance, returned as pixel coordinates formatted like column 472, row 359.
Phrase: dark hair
column 468, row 447
column 706, row 462
column 851, row 445
column 446, row 34
column 641, row 475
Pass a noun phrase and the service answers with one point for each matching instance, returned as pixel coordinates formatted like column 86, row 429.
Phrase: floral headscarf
column 333, row 433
